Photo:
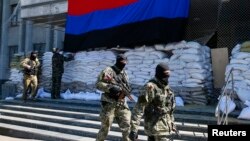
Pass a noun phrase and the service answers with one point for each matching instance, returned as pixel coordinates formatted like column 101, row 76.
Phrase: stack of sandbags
column 141, row 65
column 191, row 72
column 16, row 74
column 16, row 77
column 239, row 67
column 81, row 73
column 46, row 77
column 189, row 63
column 191, row 95
column 240, row 63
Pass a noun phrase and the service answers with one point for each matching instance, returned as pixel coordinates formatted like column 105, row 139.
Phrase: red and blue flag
column 127, row 23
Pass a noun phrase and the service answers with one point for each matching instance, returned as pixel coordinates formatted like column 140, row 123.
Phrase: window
column 14, row 19
column 40, row 47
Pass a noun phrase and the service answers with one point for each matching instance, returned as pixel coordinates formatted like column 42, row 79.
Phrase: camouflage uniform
column 111, row 108
column 30, row 76
column 157, row 103
column 57, row 72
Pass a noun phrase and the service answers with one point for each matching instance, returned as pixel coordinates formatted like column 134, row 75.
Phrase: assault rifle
column 176, row 134
column 32, row 71
column 126, row 90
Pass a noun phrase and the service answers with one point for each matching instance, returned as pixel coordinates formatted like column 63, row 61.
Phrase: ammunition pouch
column 30, row 71
column 113, row 96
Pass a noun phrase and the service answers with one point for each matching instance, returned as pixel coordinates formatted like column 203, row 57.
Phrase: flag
column 127, row 23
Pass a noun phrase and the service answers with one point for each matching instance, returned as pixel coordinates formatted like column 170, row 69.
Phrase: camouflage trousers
column 158, row 138
column 56, row 86
column 29, row 81
column 108, row 113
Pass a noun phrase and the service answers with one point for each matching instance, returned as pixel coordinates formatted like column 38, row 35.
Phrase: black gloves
column 115, row 92
column 133, row 136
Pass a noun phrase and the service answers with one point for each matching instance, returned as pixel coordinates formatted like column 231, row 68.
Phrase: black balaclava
column 119, row 64
column 33, row 55
column 159, row 73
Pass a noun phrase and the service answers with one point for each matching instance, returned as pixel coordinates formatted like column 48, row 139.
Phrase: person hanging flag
column 127, row 23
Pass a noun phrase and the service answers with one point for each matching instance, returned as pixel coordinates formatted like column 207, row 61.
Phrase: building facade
column 20, row 35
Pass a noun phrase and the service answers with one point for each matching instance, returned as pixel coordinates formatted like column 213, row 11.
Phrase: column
column 4, row 53
column 49, row 38
column 21, row 37
column 28, row 37
column 57, row 37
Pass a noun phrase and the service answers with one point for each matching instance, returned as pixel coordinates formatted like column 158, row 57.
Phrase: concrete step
column 62, row 128
column 182, row 117
column 28, row 133
column 94, row 116
column 194, row 109
column 61, row 121
column 33, row 133
column 187, row 130
column 81, row 118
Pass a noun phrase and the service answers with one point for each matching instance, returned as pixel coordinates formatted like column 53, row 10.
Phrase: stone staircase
column 75, row 120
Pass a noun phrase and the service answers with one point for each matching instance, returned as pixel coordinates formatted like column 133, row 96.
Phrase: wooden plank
column 219, row 62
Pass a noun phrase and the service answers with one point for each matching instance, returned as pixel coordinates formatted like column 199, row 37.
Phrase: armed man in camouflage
column 30, row 66
column 57, row 72
column 113, row 103
column 157, row 103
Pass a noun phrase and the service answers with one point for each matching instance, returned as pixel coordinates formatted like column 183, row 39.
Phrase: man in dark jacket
column 57, row 72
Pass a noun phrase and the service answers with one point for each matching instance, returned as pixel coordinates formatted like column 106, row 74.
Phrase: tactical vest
column 33, row 70
column 161, row 103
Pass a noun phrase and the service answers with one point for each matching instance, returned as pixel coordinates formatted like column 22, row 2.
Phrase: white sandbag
column 192, row 85
column 226, row 105
column 187, row 51
column 196, row 71
column 135, row 62
column 179, row 101
column 241, row 55
column 175, row 67
column 243, row 94
column 148, row 61
column 241, row 67
column 236, row 49
column 159, row 46
column 238, row 61
column 198, row 76
column 165, row 60
column 169, row 47
column 237, row 78
column 181, row 44
column 190, row 80
column 246, row 75
column 134, row 57
column 247, row 103
column 160, row 54
column 192, row 44
column 190, row 58
column 174, row 57
column 139, row 53
column 149, row 49
column 194, row 65
column 245, row 113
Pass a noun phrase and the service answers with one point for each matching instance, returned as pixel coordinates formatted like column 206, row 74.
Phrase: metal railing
column 222, row 117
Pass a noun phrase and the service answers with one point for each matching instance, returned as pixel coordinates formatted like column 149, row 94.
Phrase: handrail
column 223, row 118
